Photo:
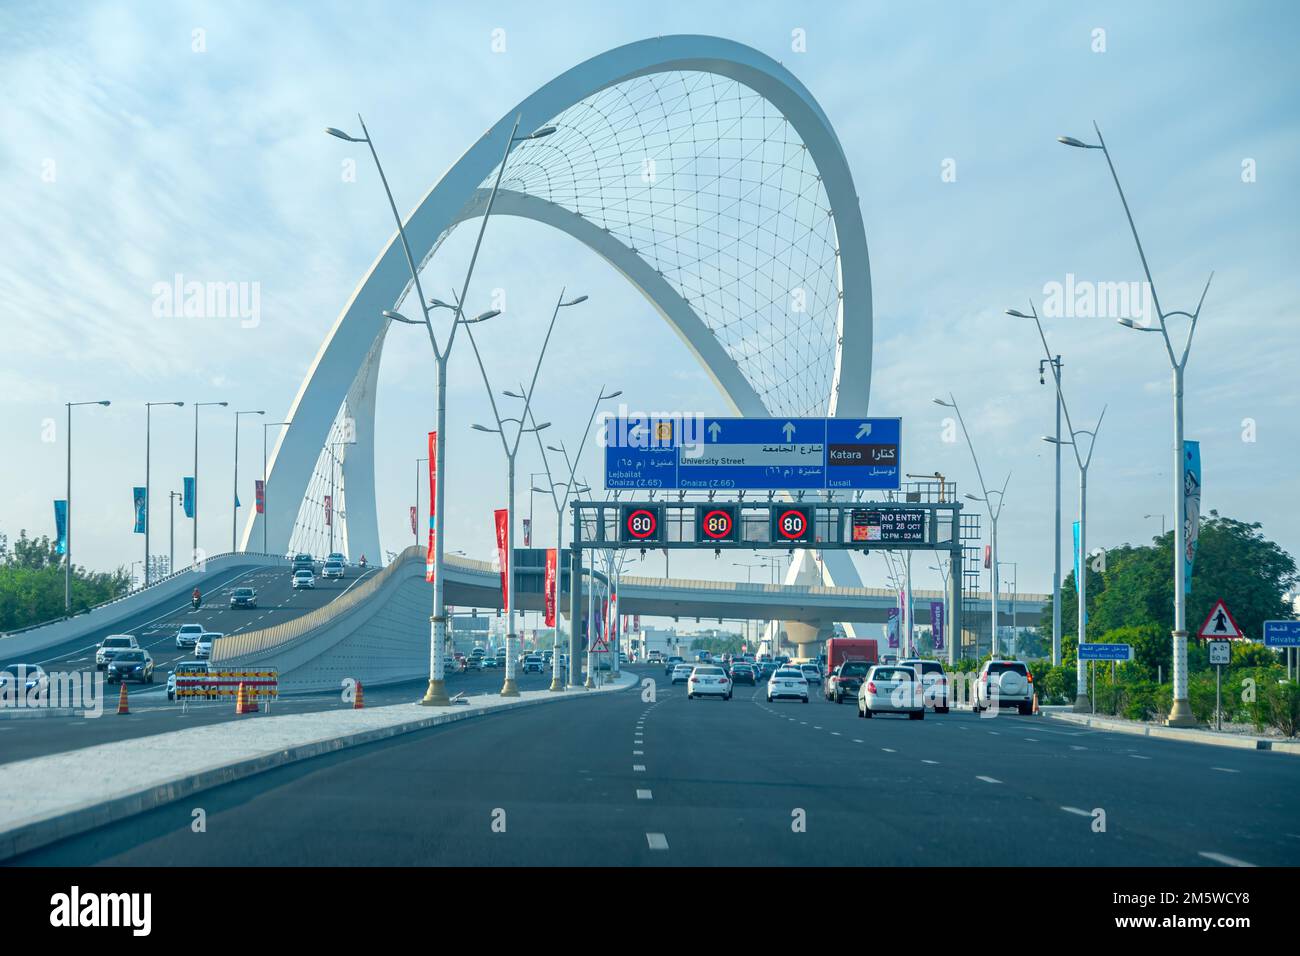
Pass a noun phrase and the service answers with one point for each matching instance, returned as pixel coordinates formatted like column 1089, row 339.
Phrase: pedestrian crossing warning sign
column 1220, row 624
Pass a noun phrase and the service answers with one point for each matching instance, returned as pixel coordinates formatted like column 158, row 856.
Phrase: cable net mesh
column 710, row 184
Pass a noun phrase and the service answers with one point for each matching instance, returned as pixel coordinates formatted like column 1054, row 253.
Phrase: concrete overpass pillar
column 806, row 637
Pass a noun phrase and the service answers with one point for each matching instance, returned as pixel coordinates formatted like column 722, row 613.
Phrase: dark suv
column 845, row 680
column 742, row 672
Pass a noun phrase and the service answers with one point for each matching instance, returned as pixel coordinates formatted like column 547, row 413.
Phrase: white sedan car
column 787, row 682
column 706, row 680
column 303, row 579
column 891, row 689
column 681, row 673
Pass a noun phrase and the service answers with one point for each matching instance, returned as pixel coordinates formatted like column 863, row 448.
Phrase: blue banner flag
column 61, row 525
column 1076, row 558
column 1191, row 506
column 141, row 498
column 187, row 498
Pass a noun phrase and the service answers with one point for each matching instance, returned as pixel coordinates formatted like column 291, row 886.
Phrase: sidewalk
column 50, row 798
column 1185, row 734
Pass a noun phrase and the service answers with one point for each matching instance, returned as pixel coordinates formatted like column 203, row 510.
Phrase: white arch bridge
column 701, row 170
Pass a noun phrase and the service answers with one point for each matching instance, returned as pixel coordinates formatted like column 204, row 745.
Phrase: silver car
column 891, row 689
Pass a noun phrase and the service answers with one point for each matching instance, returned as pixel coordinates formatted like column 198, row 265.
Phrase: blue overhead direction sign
column 1282, row 633
column 753, row 454
column 864, row 453
column 1105, row 652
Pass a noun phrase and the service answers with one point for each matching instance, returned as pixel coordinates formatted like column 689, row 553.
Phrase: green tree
column 1234, row 561
column 31, row 583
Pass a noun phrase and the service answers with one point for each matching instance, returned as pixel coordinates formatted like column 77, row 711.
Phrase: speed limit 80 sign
column 641, row 523
column 792, row 524
column 716, row 523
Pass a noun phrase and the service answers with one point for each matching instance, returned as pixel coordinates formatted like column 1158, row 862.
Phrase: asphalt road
column 618, row 781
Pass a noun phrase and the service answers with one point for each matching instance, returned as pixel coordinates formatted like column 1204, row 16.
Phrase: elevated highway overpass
column 379, row 630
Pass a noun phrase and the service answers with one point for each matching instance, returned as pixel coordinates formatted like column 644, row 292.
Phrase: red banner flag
column 433, row 505
column 988, row 555
column 503, row 544
column 550, row 586
column 415, row 529
column 259, row 492
column 329, row 511
column 528, row 532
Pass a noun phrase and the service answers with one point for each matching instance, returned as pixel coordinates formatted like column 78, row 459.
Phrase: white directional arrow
column 715, row 430
column 864, row 430
column 788, row 428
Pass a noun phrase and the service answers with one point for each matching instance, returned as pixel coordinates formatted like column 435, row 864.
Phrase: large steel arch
column 345, row 367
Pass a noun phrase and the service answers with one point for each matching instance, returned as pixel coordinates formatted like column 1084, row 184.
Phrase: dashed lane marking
column 1076, row 811
column 1225, row 770
column 988, row 779
column 644, row 795
column 638, row 768
column 930, row 761
column 657, row 841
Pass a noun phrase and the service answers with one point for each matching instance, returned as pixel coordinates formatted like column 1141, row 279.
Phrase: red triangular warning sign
column 1220, row 624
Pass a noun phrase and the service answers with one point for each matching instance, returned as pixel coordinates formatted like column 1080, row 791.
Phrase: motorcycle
column 196, row 603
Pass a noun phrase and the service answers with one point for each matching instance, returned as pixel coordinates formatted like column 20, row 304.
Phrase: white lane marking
column 1076, row 811
column 1139, row 757
column 835, row 733
column 988, row 779
column 644, row 795
column 1032, row 739
column 888, row 751
column 638, row 768
column 816, row 727
column 1225, row 860
column 657, row 841
column 930, row 761
column 1077, row 747
column 995, row 733
column 1225, row 770
column 638, row 753
column 856, row 740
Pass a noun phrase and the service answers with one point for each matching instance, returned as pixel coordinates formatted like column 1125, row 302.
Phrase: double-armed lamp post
column 1180, row 714
column 436, row 695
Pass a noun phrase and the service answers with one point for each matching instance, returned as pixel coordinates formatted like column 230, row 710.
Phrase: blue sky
column 129, row 157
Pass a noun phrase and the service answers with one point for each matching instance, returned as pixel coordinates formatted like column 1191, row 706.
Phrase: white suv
column 1004, row 683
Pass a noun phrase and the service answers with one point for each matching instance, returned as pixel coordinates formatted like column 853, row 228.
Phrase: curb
column 38, row 833
column 1185, row 735
column 31, row 713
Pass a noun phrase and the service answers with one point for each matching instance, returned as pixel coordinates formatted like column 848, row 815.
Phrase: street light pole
column 561, row 502
column 993, row 518
column 266, row 497
column 1162, row 522
column 436, row 695
column 148, row 504
column 194, row 502
column 1081, row 701
column 1055, row 363
column 1180, row 714
column 510, row 447
column 67, row 512
column 234, row 497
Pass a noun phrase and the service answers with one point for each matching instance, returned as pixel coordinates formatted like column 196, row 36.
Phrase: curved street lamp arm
column 482, row 227
column 1141, row 252
column 401, row 232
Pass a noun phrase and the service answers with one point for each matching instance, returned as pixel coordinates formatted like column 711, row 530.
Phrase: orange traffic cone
column 244, row 701
column 1035, row 711
column 359, row 701
column 121, row 702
